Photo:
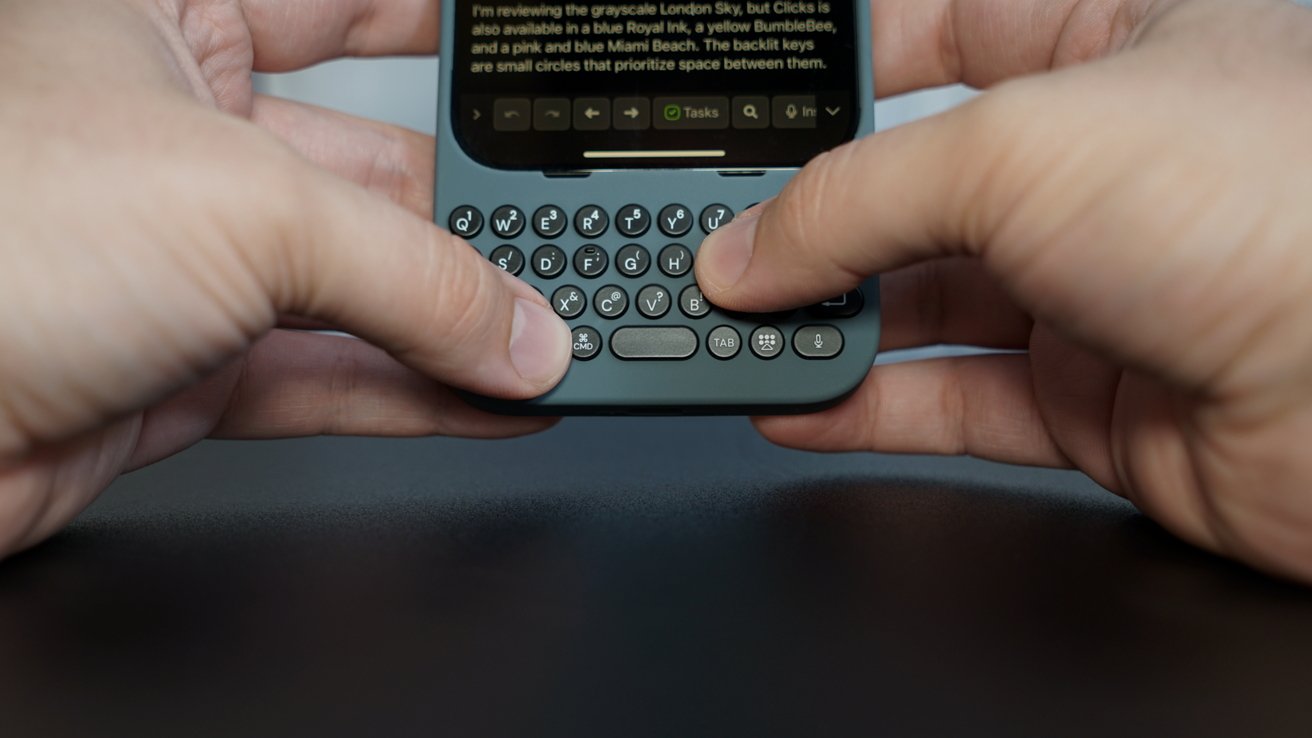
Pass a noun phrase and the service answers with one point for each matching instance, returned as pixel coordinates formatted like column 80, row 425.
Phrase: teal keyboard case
column 702, row 384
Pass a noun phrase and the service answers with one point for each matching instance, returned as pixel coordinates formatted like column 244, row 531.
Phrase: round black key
column 767, row 342
column 675, row 260
column 508, row 221
column 550, row 221
column 847, row 306
column 716, row 217
column 675, row 220
column 591, row 261
column 654, row 301
column 633, row 220
column 509, row 258
column 693, row 303
column 549, row 262
column 633, row 261
column 466, row 222
column 818, row 342
column 724, row 343
column 611, row 302
column 587, row 343
column 569, row 302
column 591, row 221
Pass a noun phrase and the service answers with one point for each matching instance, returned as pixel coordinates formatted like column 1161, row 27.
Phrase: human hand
column 154, row 229
column 1137, row 218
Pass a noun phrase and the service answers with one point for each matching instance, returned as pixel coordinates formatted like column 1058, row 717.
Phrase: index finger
column 930, row 43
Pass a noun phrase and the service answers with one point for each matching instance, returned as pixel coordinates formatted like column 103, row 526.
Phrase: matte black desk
column 621, row 578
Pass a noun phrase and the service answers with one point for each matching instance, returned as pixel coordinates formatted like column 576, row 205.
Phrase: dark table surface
column 634, row 577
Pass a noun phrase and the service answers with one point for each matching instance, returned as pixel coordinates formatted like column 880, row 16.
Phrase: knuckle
column 930, row 308
column 804, row 202
column 401, row 169
column 815, row 201
column 248, row 205
column 469, row 297
column 997, row 149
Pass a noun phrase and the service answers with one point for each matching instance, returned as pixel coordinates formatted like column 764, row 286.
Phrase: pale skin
column 1135, row 214
column 1136, row 220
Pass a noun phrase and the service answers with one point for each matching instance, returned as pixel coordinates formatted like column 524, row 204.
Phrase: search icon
column 751, row 112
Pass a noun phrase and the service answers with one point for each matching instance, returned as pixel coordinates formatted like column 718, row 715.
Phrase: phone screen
column 622, row 85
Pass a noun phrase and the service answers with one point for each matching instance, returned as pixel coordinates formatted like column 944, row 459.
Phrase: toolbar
column 667, row 113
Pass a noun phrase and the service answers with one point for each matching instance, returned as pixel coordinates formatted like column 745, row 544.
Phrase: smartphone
column 589, row 147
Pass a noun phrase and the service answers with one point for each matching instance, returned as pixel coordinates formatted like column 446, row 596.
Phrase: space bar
column 654, row 344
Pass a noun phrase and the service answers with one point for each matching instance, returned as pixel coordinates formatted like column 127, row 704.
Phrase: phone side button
column 654, row 344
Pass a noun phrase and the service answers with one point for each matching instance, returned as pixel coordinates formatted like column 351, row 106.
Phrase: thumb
column 870, row 206
column 360, row 262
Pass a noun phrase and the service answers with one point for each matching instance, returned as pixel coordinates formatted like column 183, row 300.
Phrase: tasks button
column 691, row 113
